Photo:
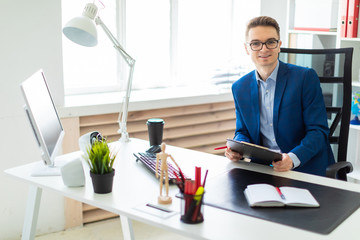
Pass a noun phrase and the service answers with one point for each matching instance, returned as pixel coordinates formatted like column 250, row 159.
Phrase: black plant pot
column 102, row 183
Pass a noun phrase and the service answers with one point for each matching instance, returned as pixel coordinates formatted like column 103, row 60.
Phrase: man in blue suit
column 280, row 106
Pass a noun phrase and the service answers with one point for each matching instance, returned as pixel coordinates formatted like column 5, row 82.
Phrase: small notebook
column 266, row 195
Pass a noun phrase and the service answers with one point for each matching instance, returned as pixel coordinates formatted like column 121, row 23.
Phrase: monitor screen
column 43, row 116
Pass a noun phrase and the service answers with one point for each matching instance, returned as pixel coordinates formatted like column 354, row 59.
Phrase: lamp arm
column 124, row 113
column 131, row 63
column 129, row 60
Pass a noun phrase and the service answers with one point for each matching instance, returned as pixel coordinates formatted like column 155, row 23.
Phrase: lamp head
column 82, row 30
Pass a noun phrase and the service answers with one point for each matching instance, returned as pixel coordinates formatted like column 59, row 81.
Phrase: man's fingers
column 282, row 166
column 233, row 156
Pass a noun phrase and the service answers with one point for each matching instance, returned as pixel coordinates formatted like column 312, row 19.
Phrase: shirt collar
column 272, row 76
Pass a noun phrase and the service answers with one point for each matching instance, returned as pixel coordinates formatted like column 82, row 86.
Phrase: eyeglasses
column 270, row 44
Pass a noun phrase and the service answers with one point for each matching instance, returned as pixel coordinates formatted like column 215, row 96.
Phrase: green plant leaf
column 99, row 157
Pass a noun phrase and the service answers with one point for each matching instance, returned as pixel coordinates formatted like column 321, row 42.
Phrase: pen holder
column 191, row 208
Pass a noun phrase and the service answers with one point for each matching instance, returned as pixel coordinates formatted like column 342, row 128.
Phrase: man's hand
column 286, row 164
column 233, row 156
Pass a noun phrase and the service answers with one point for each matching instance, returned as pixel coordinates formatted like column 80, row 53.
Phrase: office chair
column 333, row 67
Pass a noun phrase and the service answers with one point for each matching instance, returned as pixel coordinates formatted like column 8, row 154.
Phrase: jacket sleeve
column 241, row 132
column 315, row 123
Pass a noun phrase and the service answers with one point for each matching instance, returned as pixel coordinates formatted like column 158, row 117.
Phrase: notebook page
column 298, row 196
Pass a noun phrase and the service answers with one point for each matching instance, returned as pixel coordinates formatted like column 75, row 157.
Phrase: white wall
column 277, row 10
column 30, row 39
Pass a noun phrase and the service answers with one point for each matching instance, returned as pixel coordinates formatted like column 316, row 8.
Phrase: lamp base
column 124, row 137
column 355, row 121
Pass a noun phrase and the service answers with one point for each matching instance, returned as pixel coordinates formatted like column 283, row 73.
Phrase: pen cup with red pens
column 191, row 203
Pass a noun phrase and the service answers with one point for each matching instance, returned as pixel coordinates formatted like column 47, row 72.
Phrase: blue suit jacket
column 300, row 120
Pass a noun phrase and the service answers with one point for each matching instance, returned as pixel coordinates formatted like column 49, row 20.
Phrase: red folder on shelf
column 353, row 19
column 344, row 17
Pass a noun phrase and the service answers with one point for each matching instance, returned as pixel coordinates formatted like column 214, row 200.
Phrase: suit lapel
column 255, row 113
column 282, row 78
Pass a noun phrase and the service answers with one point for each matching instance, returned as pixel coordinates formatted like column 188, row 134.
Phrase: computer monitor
column 44, row 120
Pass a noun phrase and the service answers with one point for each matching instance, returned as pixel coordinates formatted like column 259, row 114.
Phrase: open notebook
column 266, row 195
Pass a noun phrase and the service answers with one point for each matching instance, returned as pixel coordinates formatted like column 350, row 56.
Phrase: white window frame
column 122, row 68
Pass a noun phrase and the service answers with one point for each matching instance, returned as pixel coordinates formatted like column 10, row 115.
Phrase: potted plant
column 101, row 160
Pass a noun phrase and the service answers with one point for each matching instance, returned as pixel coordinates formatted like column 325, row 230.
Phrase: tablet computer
column 254, row 152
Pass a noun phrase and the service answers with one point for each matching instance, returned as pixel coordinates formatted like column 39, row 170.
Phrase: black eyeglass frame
column 264, row 43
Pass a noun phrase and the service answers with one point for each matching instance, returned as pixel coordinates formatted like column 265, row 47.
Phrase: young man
column 280, row 106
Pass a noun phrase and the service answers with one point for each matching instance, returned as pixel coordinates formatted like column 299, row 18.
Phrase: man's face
column 265, row 57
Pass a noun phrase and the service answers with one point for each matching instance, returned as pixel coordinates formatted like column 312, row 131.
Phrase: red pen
column 280, row 193
column 177, row 176
column 203, row 184
column 197, row 177
column 179, row 182
column 218, row 148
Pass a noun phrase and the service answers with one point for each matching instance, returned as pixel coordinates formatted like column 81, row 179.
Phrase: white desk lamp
column 82, row 30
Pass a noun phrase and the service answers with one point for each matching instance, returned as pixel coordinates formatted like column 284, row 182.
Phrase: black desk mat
column 226, row 191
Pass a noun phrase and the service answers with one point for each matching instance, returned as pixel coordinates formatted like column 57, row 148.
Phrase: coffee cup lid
column 155, row 121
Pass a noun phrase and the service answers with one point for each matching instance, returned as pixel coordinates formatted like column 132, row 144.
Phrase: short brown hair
column 262, row 21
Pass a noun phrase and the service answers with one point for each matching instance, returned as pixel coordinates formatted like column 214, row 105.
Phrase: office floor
column 109, row 230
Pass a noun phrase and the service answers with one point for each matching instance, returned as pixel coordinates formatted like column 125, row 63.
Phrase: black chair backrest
column 333, row 67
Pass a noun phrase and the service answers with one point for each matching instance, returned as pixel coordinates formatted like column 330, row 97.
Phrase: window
column 89, row 69
column 174, row 43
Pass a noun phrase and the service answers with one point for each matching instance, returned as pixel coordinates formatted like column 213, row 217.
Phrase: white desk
column 135, row 186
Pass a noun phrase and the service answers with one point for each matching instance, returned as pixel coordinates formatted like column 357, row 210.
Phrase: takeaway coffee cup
column 155, row 130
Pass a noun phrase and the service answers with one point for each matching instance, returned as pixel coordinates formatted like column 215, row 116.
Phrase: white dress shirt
column 266, row 101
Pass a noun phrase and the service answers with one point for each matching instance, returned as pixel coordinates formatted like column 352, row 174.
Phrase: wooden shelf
column 350, row 39
column 355, row 83
column 357, row 127
column 312, row 32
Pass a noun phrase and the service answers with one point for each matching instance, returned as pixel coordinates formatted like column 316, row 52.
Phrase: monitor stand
column 42, row 170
